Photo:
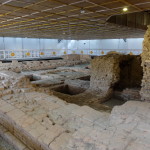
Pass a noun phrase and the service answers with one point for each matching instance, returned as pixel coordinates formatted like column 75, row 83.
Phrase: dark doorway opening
column 131, row 74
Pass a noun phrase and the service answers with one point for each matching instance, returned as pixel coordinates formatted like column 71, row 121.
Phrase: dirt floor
column 113, row 102
column 87, row 99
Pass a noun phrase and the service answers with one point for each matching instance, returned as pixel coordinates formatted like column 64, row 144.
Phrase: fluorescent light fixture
column 125, row 9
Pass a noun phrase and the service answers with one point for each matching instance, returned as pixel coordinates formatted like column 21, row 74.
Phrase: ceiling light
column 125, row 9
column 82, row 11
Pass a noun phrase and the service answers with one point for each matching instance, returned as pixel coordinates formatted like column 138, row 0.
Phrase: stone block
column 51, row 134
column 61, row 142
column 15, row 114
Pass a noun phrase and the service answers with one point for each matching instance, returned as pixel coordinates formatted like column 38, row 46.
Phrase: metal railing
column 31, row 54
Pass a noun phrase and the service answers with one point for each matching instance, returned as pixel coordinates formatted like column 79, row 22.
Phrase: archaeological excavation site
column 74, row 75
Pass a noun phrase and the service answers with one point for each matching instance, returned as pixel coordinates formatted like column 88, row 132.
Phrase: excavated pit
column 65, row 108
column 66, row 89
column 69, row 84
column 72, row 84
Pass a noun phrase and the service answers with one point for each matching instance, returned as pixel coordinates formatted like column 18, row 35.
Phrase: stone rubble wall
column 74, row 57
column 71, row 57
column 12, row 79
column 145, row 91
column 111, row 71
column 85, row 57
column 104, row 74
column 11, row 82
column 38, row 65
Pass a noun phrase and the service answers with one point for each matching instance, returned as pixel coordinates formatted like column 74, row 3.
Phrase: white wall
column 1, row 43
column 8, row 43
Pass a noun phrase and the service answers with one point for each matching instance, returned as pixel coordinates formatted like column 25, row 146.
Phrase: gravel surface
column 4, row 145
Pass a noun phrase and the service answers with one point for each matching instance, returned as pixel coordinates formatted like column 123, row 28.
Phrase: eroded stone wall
column 104, row 74
column 74, row 57
column 115, row 72
column 71, row 57
column 145, row 91
column 38, row 65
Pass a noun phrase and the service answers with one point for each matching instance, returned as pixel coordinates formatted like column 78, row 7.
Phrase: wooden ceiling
column 67, row 19
column 138, row 20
